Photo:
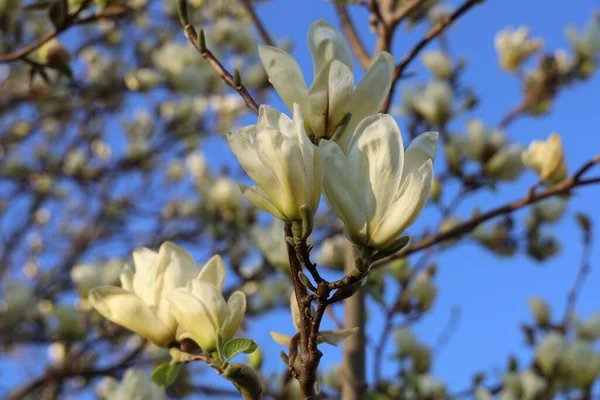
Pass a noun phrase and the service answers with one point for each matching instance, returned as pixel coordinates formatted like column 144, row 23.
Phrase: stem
column 353, row 381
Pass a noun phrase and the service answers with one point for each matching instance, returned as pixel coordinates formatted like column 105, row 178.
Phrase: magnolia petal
column 237, row 310
column 339, row 187
column 340, row 89
column 128, row 310
column 372, row 90
column 280, row 338
column 405, row 210
column 126, row 278
column 270, row 117
column 376, row 155
column 296, row 320
column 284, row 74
column 317, row 102
column 326, row 44
column 146, row 264
column 214, row 272
column 259, row 199
column 421, row 149
column 211, row 298
column 195, row 317
column 336, row 337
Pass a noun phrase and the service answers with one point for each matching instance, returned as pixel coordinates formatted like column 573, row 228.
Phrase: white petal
column 237, row 310
column 376, row 155
column 284, row 74
column 270, row 117
column 340, row 89
column 128, row 310
column 336, row 337
column 326, row 44
column 259, row 199
column 175, row 268
column 280, row 338
column 212, row 298
column 295, row 311
column 214, row 272
column 405, row 210
column 146, row 263
column 371, row 91
column 421, row 149
column 340, row 189
column 126, row 278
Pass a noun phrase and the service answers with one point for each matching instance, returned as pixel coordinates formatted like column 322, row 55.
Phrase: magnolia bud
column 406, row 342
column 581, row 363
column 425, row 291
column 540, row 310
column 438, row 63
column 401, row 270
column 421, row 359
column 532, row 385
column 549, row 352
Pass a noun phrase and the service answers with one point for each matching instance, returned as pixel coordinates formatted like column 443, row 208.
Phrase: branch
column 530, row 198
column 257, row 22
column 358, row 47
column 200, row 44
column 69, row 21
column 435, row 31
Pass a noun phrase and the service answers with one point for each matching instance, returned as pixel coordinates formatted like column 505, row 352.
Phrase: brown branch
column 69, row 21
column 435, row 31
column 357, row 45
column 257, row 22
column 561, row 188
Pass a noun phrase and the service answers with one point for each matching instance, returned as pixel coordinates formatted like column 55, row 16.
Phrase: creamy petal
column 195, row 318
column 421, row 149
column 340, row 90
column 284, row 74
column 237, row 310
column 259, row 199
column 146, row 263
column 126, row 278
column 280, row 338
column 214, row 272
column 326, row 44
column 128, row 310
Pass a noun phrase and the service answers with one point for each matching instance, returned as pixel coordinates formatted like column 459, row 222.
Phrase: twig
column 257, row 22
column 353, row 37
column 448, row 331
column 46, row 38
column 561, row 188
column 436, row 30
column 199, row 43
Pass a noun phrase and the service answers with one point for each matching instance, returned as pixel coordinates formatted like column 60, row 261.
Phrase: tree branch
column 257, row 22
column 357, row 45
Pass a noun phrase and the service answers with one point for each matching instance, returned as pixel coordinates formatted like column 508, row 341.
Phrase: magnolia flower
column 332, row 95
column 582, row 363
column 377, row 189
column 226, row 193
column 196, row 165
column 202, row 312
column 271, row 243
column 333, row 252
column 550, row 210
column 406, row 341
column 587, row 43
column 135, row 385
column 278, row 155
column 86, row 276
column 424, row 290
column 506, row 164
column 481, row 142
column 549, row 352
column 532, row 385
column 140, row 304
column 590, row 328
column 438, row 63
column 333, row 337
column 540, row 310
column 18, row 300
column 547, row 159
column 430, row 387
column 515, row 46
column 142, row 79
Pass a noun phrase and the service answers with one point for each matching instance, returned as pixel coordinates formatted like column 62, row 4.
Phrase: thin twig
column 561, row 188
column 435, row 31
column 357, row 45
column 260, row 27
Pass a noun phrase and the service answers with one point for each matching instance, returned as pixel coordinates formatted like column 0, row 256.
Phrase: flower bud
column 514, row 47
column 547, row 159
column 333, row 252
column 549, row 353
column 532, row 385
column 540, row 310
column 581, row 363
column 406, row 342
column 438, row 63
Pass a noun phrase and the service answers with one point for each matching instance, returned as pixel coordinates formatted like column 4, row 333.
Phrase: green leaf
column 165, row 374
column 237, row 346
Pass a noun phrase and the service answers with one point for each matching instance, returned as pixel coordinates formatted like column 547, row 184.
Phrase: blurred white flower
column 434, row 103
column 88, row 276
column 549, row 352
column 547, row 159
column 587, row 43
column 514, row 47
column 135, row 385
column 271, row 243
column 540, row 310
column 333, row 252
column 438, row 63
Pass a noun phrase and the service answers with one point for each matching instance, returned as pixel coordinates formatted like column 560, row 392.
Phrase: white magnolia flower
column 424, row 290
column 377, row 189
column 332, row 95
column 202, row 312
column 333, row 251
column 480, row 143
column 406, row 341
column 280, row 158
column 271, row 243
column 590, row 328
column 87, row 276
column 140, row 304
column 438, row 63
column 142, row 79
column 550, row 210
column 135, row 385
column 547, row 159
column 515, row 46
column 506, row 164
column 482, row 394
column 226, row 193
column 540, row 310
column 582, row 362
column 549, row 352
column 434, row 102
column 196, row 165
column 18, row 300
column 532, row 385
column 333, row 337
column 587, row 43
column 430, row 387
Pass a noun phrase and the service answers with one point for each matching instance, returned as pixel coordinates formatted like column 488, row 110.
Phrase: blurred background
column 112, row 136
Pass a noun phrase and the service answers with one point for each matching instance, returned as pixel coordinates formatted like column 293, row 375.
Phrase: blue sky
column 491, row 292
